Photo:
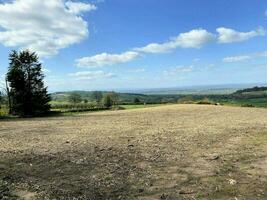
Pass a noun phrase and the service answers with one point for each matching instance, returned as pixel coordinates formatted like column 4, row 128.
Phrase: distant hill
column 195, row 90
column 254, row 90
column 123, row 97
column 256, row 96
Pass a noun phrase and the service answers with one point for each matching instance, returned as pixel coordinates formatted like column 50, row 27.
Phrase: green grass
column 59, row 103
column 256, row 102
column 4, row 111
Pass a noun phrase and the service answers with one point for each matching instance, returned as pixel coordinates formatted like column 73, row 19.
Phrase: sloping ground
column 168, row 152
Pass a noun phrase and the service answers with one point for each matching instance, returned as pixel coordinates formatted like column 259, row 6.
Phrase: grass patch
column 5, row 192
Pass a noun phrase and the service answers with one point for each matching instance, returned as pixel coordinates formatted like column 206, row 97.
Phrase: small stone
column 213, row 156
column 232, row 181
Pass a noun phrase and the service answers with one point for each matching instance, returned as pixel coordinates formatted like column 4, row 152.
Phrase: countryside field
column 166, row 152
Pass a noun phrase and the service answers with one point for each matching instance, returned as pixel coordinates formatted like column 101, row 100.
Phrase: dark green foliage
column 114, row 98
column 107, row 101
column 1, row 97
column 254, row 89
column 205, row 101
column 97, row 96
column 27, row 91
column 4, row 190
column 75, row 98
column 136, row 101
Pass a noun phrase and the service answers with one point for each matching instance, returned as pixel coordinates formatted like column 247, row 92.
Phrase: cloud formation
column 79, row 7
column 241, row 58
column 193, row 39
column 103, row 59
column 44, row 26
column 227, row 35
column 236, row 58
column 89, row 75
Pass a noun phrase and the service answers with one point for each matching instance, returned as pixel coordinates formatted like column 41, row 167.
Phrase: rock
column 232, row 181
column 214, row 156
column 81, row 161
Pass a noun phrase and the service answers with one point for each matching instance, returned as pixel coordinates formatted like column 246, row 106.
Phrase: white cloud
column 44, row 26
column 78, row 7
column 103, row 59
column 236, row 58
column 193, row 39
column 89, row 75
column 241, row 58
column 227, row 35
column 178, row 70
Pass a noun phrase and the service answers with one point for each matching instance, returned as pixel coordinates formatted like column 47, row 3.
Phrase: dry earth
column 168, row 152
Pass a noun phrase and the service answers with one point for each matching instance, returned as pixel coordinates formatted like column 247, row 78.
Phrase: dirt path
column 168, row 152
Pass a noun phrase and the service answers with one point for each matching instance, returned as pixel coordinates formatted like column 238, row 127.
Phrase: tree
column 97, row 96
column 75, row 98
column 114, row 98
column 28, row 95
column 1, row 97
column 136, row 100
column 107, row 101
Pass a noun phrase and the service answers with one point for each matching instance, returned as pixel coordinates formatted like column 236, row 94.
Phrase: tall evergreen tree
column 25, row 78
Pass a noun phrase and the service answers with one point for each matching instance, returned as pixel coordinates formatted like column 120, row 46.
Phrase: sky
column 134, row 44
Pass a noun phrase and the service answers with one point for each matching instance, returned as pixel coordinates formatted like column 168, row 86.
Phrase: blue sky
column 110, row 44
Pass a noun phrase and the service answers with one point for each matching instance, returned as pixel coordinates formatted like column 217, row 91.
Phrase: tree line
column 107, row 100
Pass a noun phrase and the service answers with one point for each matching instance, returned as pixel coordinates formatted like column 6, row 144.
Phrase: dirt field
column 167, row 152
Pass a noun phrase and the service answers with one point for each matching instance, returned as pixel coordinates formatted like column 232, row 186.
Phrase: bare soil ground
column 168, row 152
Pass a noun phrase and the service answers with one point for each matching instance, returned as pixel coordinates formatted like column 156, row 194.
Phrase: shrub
column 107, row 101
column 186, row 100
column 205, row 101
